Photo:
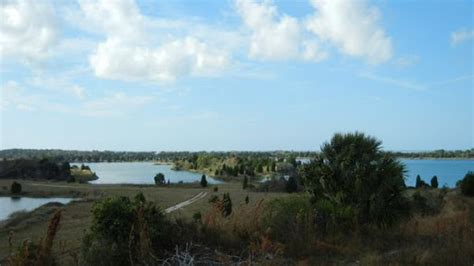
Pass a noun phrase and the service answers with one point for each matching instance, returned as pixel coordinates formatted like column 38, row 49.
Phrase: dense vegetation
column 467, row 184
column 35, row 168
column 355, row 209
column 261, row 160
column 437, row 154
column 353, row 178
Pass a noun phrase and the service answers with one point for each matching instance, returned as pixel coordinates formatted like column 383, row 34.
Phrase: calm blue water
column 140, row 173
column 10, row 205
column 447, row 171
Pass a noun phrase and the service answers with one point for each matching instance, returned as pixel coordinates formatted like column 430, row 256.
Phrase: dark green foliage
column 245, row 182
column 247, row 199
column 434, row 182
column 291, row 220
column 15, row 188
column 197, row 216
column 203, row 181
column 467, row 184
column 215, row 189
column 291, row 185
column 214, row 199
column 66, row 168
column 34, row 168
column 117, row 223
column 226, row 205
column 420, row 183
column 160, row 179
column 353, row 173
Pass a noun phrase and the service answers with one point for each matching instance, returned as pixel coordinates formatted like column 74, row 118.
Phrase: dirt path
column 173, row 208
column 178, row 206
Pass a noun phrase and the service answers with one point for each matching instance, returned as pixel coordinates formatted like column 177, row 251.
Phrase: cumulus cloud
column 114, row 60
column 128, row 53
column 353, row 27
column 275, row 36
column 27, row 29
column 460, row 36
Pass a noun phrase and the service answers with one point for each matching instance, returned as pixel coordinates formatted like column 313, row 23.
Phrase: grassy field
column 76, row 217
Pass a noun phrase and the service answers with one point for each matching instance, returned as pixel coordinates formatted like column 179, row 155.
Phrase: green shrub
column 15, row 188
column 160, row 179
column 197, row 216
column 203, row 181
column 420, row 183
column 226, row 205
column 352, row 171
column 291, row 185
column 434, row 182
column 123, row 229
column 467, row 184
column 291, row 220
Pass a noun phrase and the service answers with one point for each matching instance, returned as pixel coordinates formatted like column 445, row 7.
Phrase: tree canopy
column 352, row 172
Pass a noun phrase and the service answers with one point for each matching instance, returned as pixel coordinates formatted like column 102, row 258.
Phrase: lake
column 9, row 205
column 447, row 171
column 140, row 173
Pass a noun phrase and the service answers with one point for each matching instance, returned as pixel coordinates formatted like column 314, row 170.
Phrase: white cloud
column 114, row 60
column 14, row 97
column 275, row 36
column 27, row 29
column 460, row 36
column 353, row 27
column 130, row 53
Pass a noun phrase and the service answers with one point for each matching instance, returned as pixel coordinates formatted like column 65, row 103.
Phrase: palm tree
column 352, row 172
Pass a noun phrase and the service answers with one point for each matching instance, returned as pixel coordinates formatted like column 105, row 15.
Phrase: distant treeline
column 126, row 156
column 35, row 169
column 77, row 156
column 437, row 154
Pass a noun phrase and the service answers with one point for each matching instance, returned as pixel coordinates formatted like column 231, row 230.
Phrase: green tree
column 160, row 179
column 467, row 184
column 15, row 188
column 226, row 205
column 273, row 166
column 291, row 185
column 203, row 181
column 352, row 172
column 66, row 168
column 434, row 182
column 419, row 182
column 259, row 168
column 245, row 182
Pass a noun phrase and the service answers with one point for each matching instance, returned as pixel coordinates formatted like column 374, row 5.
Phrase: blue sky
column 235, row 75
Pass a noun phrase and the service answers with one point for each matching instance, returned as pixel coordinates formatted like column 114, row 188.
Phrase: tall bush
column 352, row 171
column 15, row 188
column 467, row 184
